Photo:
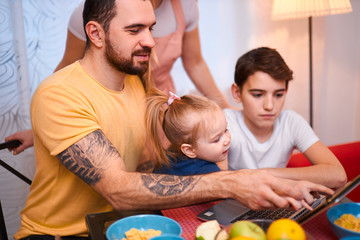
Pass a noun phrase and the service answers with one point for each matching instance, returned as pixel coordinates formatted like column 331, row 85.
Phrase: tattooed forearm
column 87, row 157
column 75, row 160
column 168, row 185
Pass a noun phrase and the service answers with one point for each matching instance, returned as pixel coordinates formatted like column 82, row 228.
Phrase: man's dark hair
column 262, row 59
column 101, row 11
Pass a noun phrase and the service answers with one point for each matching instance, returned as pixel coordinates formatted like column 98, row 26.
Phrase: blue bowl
column 336, row 212
column 167, row 237
column 143, row 222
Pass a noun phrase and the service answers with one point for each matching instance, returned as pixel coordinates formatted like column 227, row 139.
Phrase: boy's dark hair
column 101, row 11
column 262, row 59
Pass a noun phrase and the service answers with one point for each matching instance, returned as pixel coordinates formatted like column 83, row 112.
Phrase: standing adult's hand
column 26, row 139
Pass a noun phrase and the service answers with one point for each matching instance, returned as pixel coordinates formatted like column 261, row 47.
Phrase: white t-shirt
column 165, row 19
column 290, row 131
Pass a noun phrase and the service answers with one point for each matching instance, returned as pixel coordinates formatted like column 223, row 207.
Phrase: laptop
column 229, row 211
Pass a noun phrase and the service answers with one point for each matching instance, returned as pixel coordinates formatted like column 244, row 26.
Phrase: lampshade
column 288, row 9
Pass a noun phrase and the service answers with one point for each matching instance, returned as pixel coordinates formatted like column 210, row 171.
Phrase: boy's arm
column 326, row 168
column 96, row 161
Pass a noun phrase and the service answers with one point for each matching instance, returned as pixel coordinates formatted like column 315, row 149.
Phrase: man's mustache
column 145, row 50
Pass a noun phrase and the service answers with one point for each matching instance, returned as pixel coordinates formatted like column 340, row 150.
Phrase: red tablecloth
column 318, row 227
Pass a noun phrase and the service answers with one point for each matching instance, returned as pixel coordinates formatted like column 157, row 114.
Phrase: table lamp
column 291, row 9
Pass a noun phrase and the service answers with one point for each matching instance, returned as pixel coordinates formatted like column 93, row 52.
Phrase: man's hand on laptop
column 308, row 192
column 260, row 190
column 298, row 203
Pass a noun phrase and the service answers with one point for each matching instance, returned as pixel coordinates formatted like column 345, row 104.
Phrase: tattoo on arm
column 87, row 157
column 168, row 185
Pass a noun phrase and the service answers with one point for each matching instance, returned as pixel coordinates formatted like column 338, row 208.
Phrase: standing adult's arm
column 74, row 50
column 197, row 69
column 96, row 161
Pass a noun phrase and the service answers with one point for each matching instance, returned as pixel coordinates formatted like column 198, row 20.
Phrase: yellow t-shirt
column 66, row 107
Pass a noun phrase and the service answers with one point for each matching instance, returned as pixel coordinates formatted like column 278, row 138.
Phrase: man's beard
column 124, row 64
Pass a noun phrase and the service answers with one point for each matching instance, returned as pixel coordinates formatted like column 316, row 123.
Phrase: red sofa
column 349, row 156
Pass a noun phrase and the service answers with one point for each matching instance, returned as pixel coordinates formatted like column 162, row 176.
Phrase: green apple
column 247, row 229
column 207, row 230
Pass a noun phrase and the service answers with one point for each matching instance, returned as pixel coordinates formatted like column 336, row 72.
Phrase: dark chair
column 3, row 233
column 15, row 143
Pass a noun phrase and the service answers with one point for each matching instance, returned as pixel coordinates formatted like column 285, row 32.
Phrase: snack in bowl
column 349, row 221
column 336, row 211
column 117, row 230
column 136, row 234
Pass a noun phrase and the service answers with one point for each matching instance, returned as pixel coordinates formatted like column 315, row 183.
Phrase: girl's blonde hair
column 177, row 121
column 147, row 79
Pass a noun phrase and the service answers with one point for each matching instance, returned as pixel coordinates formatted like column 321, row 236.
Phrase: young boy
column 264, row 136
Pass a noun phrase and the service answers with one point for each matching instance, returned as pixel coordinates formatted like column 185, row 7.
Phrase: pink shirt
column 167, row 49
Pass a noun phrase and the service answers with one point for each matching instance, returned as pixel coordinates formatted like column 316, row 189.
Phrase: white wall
column 339, row 105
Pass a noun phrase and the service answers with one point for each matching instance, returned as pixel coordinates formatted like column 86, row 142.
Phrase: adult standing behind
column 85, row 165
column 176, row 34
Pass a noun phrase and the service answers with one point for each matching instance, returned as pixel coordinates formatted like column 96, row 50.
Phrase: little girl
column 196, row 129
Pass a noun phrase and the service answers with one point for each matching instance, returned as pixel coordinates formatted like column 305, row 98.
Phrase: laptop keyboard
column 274, row 214
column 265, row 214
